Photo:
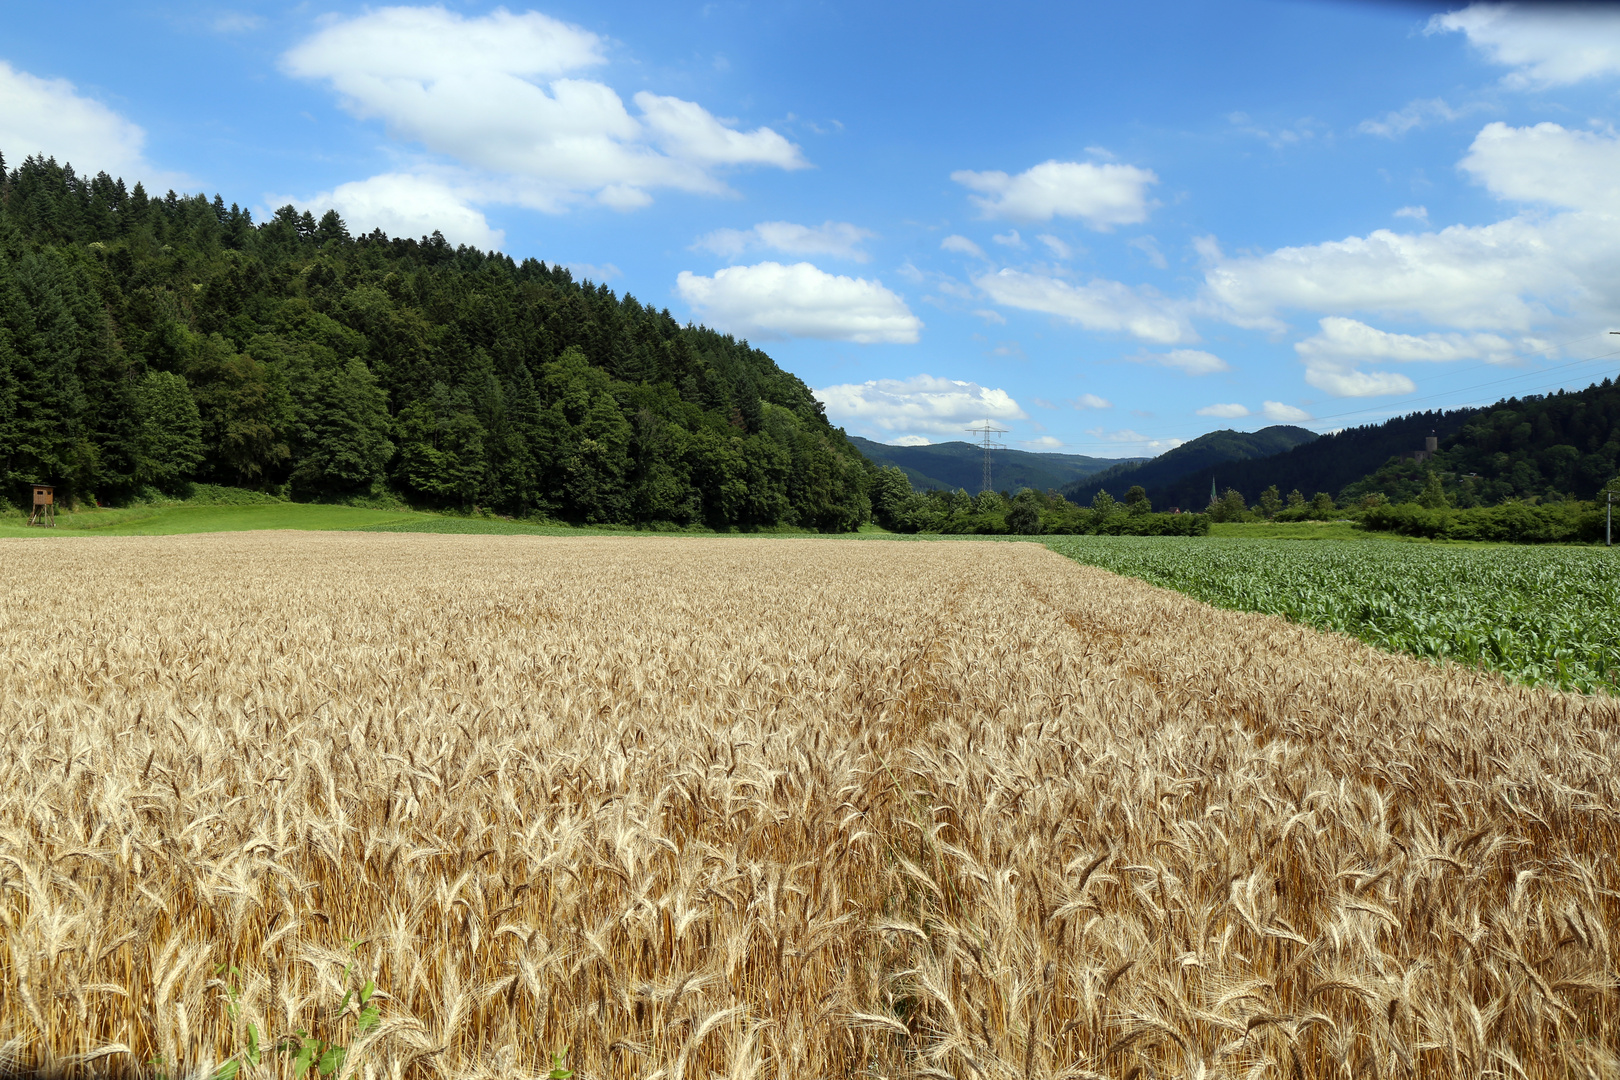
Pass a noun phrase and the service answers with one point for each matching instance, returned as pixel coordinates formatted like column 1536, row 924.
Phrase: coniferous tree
column 170, row 445
column 327, row 366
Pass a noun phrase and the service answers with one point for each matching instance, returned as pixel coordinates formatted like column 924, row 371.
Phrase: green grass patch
column 1294, row 530
column 1315, row 530
column 223, row 511
column 188, row 518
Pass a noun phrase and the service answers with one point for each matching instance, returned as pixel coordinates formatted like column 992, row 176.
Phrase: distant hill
column 1545, row 446
column 1328, row 463
column 1209, row 452
column 953, row 465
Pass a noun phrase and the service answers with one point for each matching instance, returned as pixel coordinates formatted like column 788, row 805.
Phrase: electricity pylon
column 985, row 431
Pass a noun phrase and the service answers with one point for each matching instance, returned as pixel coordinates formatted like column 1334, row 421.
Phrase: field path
column 774, row 807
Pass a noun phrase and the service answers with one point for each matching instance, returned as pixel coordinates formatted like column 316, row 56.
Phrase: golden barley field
column 694, row 808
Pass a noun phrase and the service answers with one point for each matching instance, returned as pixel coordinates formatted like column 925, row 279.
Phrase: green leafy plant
column 324, row 1052
column 231, row 977
column 558, row 1070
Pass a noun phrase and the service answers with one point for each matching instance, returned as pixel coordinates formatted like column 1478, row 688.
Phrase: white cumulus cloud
column 404, row 204
column 1544, row 44
column 1496, row 276
column 837, row 238
column 1102, row 196
column 1342, row 381
column 1092, row 401
column 918, row 404
column 776, row 301
column 1044, row 442
column 1287, row 414
column 1225, row 412
column 1098, row 305
column 1513, row 275
column 1547, row 163
column 1343, row 340
column 50, row 118
column 499, row 94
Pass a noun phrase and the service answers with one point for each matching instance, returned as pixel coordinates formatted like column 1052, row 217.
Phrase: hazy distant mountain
column 1205, row 452
column 955, row 465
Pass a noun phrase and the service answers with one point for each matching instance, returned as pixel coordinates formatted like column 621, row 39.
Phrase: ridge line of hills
column 1539, row 447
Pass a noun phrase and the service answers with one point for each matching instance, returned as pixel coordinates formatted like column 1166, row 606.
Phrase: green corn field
column 1540, row 615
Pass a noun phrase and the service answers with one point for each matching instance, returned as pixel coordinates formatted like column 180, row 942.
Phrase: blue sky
column 1108, row 228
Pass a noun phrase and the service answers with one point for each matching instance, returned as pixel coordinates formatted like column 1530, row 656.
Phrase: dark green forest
column 1328, row 463
column 1545, row 448
column 149, row 343
column 1207, row 452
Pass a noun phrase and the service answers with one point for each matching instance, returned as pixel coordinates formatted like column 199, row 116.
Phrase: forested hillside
column 1211, row 451
column 1328, row 463
column 951, row 465
column 149, row 342
column 1544, row 447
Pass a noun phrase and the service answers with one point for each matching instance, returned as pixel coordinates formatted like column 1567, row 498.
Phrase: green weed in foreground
column 1538, row 615
column 304, row 1052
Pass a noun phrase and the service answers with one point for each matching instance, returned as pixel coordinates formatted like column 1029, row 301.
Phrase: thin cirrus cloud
column 836, row 238
column 1102, row 196
column 1271, row 410
column 499, row 95
column 770, row 300
column 1186, row 361
column 1056, row 246
column 922, row 403
column 1545, row 45
column 1129, row 435
column 1416, row 114
column 1285, row 414
column 1097, row 305
column 962, row 246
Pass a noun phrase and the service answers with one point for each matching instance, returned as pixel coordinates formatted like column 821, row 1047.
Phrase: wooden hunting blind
column 44, row 505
